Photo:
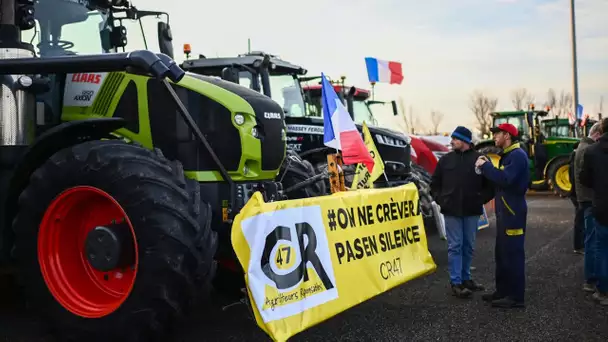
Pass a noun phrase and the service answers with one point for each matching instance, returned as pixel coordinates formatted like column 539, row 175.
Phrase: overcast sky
column 448, row 48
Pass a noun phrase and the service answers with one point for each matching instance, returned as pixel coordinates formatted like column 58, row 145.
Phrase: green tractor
column 120, row 174
column 559, row 127
column 549, row 154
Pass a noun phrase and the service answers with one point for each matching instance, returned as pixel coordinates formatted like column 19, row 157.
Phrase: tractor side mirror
column 230, row 74
column 395, row 110
column 165, row 39
column 106, row 40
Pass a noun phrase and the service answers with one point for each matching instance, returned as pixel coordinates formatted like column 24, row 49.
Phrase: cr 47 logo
column 306, row 252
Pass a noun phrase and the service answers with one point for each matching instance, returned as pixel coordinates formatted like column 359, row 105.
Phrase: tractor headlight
column 254, row 132
column 239, row 119
column 390, row 141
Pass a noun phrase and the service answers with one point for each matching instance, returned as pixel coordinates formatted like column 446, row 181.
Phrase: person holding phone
column 511, row 179
column 461, row 194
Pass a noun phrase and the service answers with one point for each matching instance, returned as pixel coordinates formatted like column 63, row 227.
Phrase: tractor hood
column 269, row 116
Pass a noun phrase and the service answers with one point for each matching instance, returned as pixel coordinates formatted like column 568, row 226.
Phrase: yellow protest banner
column 363, row 179
column 307, row 260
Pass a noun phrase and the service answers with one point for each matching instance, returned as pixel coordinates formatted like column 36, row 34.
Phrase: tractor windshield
column 70, row 28
column 285, row 90
column 362, row 112
column 556, row 130
column 361, row 109
column 517, row 121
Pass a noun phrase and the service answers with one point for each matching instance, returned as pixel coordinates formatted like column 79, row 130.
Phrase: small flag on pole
column 364, row 179
column 340, row 131
column 381, row 71
column 579, row 111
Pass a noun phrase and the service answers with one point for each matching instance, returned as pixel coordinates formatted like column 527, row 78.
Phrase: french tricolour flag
column 340, row 131
column 383, row 71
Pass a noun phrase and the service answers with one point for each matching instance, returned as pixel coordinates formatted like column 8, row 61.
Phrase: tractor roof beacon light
column 187, row 50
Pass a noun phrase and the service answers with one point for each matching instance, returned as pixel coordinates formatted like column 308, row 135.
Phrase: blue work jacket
column 511, row 179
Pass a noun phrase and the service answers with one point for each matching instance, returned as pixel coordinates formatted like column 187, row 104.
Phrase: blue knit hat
column 463, row 133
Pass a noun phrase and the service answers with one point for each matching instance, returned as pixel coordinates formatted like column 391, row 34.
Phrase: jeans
column 601, row 231
column 579, row 225
column 590, row 244
column 461, row 232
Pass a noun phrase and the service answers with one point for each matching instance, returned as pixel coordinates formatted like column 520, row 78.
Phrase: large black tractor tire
column 559, row 178
column 168, row 220
column 295, row 170
column 422, row 173
column 418, row 177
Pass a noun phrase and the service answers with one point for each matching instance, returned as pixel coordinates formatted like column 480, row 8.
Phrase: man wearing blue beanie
column 461, row 194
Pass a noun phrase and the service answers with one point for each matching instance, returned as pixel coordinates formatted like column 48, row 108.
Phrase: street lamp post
column 574, row 64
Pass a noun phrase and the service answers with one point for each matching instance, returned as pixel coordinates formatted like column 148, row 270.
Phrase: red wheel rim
column 74, row 283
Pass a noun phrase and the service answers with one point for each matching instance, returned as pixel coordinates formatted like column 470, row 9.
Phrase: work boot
column 507, row 303
column 488, row 297
column 460, row 291
column 473, row 286
column 588, row 287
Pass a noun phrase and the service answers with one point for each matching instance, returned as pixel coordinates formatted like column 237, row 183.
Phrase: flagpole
column 574, row 63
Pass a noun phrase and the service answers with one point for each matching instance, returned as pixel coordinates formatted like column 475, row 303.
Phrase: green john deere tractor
column 549, row 154
column 120, row 174
column 559, row 127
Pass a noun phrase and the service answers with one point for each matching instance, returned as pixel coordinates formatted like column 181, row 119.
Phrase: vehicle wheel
column 426, row 206
column 296, row 170
column 422, row 173
column 559, row 178
column 539, row 185
column 112, row 242
column 492, row 152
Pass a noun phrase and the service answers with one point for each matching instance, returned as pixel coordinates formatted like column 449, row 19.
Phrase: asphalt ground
column 423, row 309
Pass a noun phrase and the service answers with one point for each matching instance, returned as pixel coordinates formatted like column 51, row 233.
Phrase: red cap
column 505, row 127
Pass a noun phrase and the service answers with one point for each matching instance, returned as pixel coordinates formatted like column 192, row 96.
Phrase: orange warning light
column 187, row 49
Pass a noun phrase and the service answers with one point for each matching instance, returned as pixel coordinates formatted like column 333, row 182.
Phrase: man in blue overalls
column 511, row 180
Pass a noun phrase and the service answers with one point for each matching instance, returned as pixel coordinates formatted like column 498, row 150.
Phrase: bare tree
column 551, row 99
column 482, row 106
column 405, row 124
column 521, row 98
column 436, row 118
column 563, row 105
column 411, row 122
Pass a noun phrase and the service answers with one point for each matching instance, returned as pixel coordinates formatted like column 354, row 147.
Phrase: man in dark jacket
column 511, row 179
column 593, row 175
column 579, row 211
column 584, row 198
column 461, row 194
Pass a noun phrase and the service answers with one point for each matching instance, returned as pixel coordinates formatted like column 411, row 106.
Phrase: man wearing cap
column 461, row 194
column 511, row 179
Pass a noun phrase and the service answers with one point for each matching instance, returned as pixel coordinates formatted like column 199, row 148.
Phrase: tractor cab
column 63, row 27
column 560, row 127
column 264, row 73
column 56, row 28
column 356, row 99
